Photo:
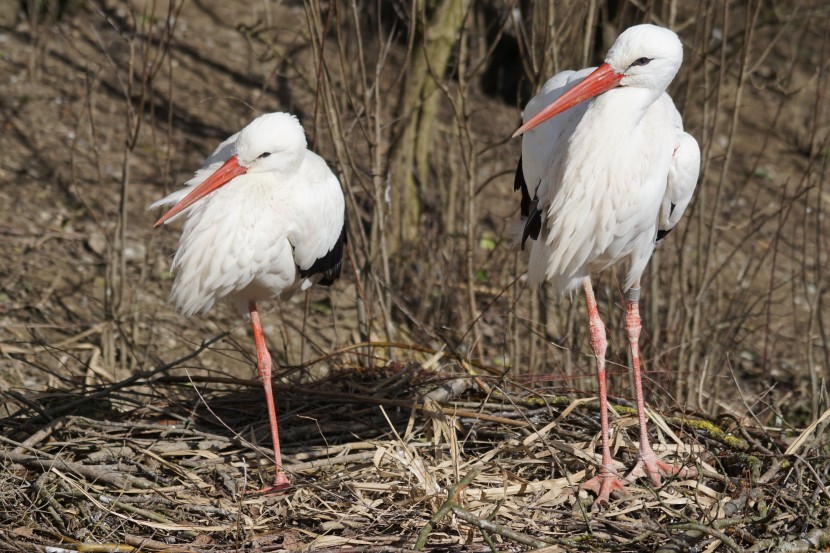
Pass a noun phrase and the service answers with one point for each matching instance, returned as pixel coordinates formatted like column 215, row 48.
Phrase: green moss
column 716, row 433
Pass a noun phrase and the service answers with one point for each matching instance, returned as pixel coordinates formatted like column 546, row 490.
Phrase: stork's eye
column 641, row 61
column 263, row 155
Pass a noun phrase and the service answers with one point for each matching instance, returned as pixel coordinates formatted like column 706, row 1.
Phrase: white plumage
column 602, row 174
column 263, row 217
column 606, row 171
column 250, row 239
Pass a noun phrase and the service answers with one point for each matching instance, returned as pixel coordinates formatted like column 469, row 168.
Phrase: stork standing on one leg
column 264, row 217
column 607, row 171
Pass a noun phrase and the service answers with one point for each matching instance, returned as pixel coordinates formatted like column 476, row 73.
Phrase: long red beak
column 230, row 170
column 601, row 79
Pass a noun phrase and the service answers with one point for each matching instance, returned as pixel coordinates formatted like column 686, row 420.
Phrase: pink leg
column 648, row 464
column 263, row 365
column 607, row 480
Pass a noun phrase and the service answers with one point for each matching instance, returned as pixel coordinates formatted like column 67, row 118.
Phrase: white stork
column 264, row 217
column 607, row 171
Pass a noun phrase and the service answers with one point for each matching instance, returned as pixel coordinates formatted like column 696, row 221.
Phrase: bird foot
column 603, row 485
column 280, row 483
column 651, row 466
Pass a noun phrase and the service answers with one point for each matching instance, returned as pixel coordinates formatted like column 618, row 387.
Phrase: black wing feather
column 533, row 223
column 529, row 207
column 329, row 265
column 520, row 184
column 662, row 233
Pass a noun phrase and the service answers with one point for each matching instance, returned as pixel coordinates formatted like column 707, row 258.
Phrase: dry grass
column 121, row 428
column 371, row 467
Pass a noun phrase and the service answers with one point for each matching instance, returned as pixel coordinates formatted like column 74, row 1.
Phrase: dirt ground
column 126, row 427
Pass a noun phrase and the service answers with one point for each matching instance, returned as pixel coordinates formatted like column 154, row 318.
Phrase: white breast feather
column 601, row 192
column 246, row 240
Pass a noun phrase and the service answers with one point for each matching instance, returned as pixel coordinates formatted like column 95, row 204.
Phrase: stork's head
column 274, row 142
column 271, row 142
column 643, row 56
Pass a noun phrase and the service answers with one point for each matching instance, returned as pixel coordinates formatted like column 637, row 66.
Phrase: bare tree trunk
column 437, row 23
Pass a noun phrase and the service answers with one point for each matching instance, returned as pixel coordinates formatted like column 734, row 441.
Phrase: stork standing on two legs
column 607, row 171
